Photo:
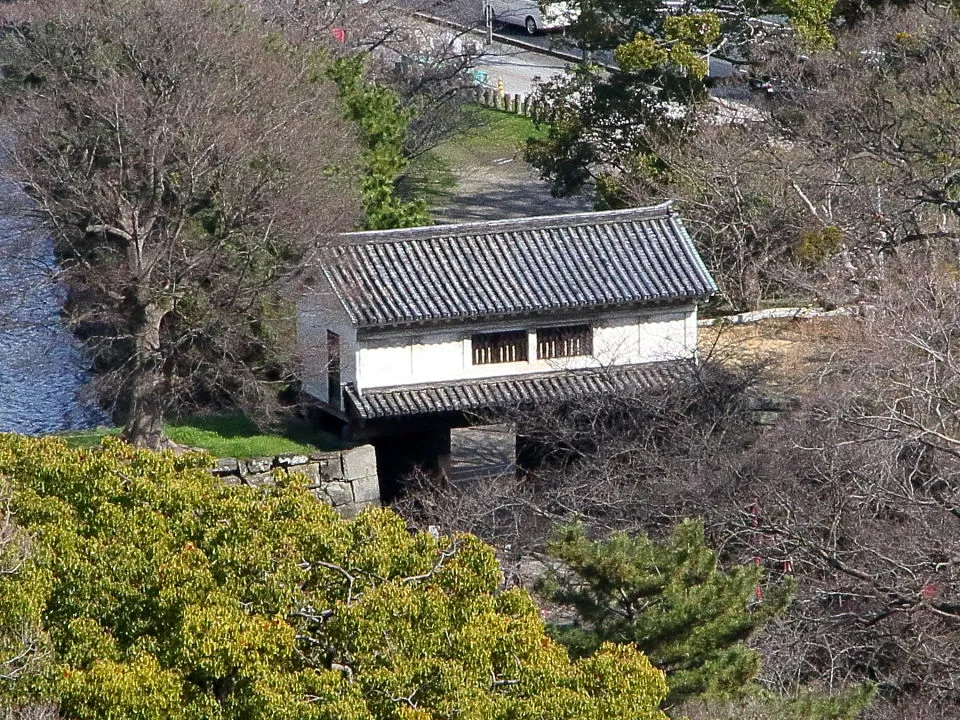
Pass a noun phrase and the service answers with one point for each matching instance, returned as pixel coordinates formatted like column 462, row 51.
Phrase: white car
column 532, row 15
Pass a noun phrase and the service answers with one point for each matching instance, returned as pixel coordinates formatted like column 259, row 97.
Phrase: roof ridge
column 485, row 227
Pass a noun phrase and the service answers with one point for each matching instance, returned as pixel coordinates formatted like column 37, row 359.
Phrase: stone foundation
column 347, row 479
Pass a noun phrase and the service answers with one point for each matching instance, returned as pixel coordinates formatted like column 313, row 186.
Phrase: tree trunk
column 144, row 422
column 144, row 425
column 752, row 290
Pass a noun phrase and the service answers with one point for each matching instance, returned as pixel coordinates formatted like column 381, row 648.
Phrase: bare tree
column 638, row 460
column 431, row 70
column 31, row 712
column 428, row 66
column 773, row 218
column 186, row 166
column 858, row 495
column 882, row 104
column 852, row 155
column 855, row 493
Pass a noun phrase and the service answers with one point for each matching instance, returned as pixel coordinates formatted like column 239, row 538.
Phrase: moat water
column 43, row 374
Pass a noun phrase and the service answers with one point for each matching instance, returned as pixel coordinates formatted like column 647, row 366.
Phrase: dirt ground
column 796, row 353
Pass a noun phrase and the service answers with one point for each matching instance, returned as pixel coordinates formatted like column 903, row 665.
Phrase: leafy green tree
column 601, row 125
column 604, row 122
column 600, row 128
column 669, row 599
column 382, row 122
column 186, row 168
column 167, row 594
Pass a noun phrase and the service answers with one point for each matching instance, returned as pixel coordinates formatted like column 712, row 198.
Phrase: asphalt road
column 515, row 67
column 469, row 13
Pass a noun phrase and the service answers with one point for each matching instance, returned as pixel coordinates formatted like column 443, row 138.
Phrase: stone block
column 335, row 468
column 259, row 479
column 291, row 460
column 349, row 511
column 359, row 462
column 366, row 490
column 338, row 493
column 226, row 466
column 325, row 466
column 259, row 464
column 310, row 471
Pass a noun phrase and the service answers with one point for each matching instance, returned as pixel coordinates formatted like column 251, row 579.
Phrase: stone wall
column 347, row 479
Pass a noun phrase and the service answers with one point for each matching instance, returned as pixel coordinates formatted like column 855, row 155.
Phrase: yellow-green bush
column 166, row 594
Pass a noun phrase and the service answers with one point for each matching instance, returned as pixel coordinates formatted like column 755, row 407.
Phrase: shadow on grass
column 230, row 436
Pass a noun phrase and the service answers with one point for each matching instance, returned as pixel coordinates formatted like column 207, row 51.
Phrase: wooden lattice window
column 501, row 347
column 564, row 342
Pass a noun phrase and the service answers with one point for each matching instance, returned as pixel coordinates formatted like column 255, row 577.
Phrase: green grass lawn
column 492, row 134
column 228, row 436
column 88, row 438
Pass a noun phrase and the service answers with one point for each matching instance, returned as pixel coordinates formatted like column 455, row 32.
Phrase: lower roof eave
column 500, row 393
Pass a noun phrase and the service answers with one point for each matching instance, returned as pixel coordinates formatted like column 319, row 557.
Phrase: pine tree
column 670, row 599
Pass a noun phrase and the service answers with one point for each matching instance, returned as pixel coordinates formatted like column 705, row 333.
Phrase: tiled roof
column 508, row 267
column 505, row 392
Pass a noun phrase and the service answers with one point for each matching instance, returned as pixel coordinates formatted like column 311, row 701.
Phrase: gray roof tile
column 508, row 267
column 504, row 392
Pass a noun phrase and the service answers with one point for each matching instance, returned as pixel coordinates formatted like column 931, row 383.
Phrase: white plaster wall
column 319, row 311
column 615, row 342
column 390, row 358
column 691, row 326
column 395, row 359
column 667, row 336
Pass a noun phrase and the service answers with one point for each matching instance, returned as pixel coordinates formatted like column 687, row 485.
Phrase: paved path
column 503, row 189
column 490, row 187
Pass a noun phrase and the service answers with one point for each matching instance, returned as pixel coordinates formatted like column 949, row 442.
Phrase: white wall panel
column 318, row 312
column 663, row 336
column 391, row 358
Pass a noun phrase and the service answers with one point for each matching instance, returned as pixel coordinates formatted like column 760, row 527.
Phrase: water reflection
column 42, row 371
